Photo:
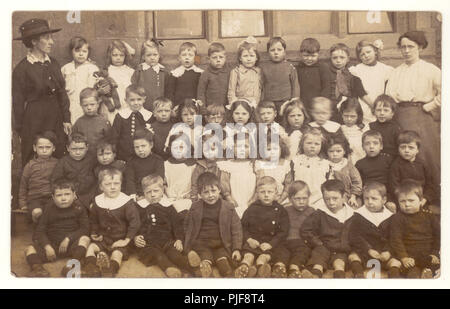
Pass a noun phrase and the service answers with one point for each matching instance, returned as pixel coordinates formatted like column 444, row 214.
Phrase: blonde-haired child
column 309, row 166
column 245, row 79
column 150, row 73
column 78, row 74
column 114, row 221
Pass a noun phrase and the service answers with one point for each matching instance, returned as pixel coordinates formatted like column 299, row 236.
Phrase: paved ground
column 131, row 268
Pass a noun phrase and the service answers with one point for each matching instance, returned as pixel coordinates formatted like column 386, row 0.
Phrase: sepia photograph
column 282, row 144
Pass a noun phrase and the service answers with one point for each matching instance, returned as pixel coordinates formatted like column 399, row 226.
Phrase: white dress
column 314, row 171
column 122, row 76
column 353, row 135
column 294, row 143
column 242, row 181
column 178, row 178
column 373, row 79
column 76, row 80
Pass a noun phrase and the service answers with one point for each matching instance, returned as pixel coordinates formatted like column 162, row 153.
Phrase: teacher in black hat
column 39, row 99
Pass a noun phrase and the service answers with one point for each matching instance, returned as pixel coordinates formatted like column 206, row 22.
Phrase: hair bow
column 378, row 44
column 249, row 40
column 130, row 49
column 285, row 104
column 157, row 42
column 198, row 103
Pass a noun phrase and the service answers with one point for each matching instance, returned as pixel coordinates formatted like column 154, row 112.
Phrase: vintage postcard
column 227, row 143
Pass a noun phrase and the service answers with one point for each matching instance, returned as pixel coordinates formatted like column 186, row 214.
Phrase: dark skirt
column 411, row 116
column 40, row 116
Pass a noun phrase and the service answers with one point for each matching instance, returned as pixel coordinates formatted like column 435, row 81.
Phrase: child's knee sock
column 339, row 274
column 413, row 273
column 224, row 267
column 90, row 260
column 33, row 259
column 394, row 272
column 357, row 269
column 79, row 253
column 114, row 265
column 263, row 259
column 248, row 259
column 316, row 270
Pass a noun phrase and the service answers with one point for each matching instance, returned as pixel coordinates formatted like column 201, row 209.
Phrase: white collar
column 330, row 126
column 158, row 67
column 126, row 112
column 111, row 203
column 374, row 217
column 163, row 202
column 32, row 59
column 342, row 215
column 181, row 69
column 340, row 165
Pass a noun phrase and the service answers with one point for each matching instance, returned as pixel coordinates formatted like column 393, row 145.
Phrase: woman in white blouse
column 416, row 86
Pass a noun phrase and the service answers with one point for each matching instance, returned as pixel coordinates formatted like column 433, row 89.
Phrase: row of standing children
column 276, row 80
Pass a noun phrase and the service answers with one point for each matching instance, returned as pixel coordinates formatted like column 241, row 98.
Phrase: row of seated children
column 269, row 241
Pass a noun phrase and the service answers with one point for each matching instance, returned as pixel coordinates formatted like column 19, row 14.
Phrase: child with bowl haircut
column 213, row 230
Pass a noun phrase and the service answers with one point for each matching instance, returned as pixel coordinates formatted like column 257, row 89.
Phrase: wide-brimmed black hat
column 35, row 27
